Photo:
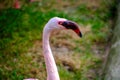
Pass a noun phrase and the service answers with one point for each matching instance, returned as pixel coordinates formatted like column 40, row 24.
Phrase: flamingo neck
column 52, row 72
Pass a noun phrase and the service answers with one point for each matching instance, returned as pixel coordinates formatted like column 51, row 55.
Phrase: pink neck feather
column 52, row 72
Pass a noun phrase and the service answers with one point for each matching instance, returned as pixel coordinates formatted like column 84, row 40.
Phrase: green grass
column 20, row 29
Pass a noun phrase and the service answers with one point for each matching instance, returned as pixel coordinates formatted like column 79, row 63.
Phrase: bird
column 55, row 23
column 16, row 4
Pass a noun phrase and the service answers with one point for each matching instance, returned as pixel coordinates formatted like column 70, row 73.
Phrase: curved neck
column 52, row 72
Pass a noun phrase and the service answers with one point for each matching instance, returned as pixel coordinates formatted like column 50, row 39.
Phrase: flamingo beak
column 71, row 25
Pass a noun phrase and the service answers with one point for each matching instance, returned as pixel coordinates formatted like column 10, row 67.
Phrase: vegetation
column 21, row 36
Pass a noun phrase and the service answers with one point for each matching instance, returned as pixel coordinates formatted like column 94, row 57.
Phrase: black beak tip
column 80, row 34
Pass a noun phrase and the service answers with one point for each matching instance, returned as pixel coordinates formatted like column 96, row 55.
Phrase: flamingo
column 17, row 4
column 54, row 23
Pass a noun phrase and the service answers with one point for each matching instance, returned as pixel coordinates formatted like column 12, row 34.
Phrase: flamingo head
column 62, row 23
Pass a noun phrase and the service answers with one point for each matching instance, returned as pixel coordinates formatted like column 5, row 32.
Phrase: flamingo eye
column 60, row 22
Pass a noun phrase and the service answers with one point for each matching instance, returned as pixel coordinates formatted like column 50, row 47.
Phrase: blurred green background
column 76, row 58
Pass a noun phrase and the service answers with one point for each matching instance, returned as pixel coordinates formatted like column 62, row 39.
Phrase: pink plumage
column 53, row 24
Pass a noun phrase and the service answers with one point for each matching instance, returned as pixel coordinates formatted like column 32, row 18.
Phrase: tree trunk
column 112, row 68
